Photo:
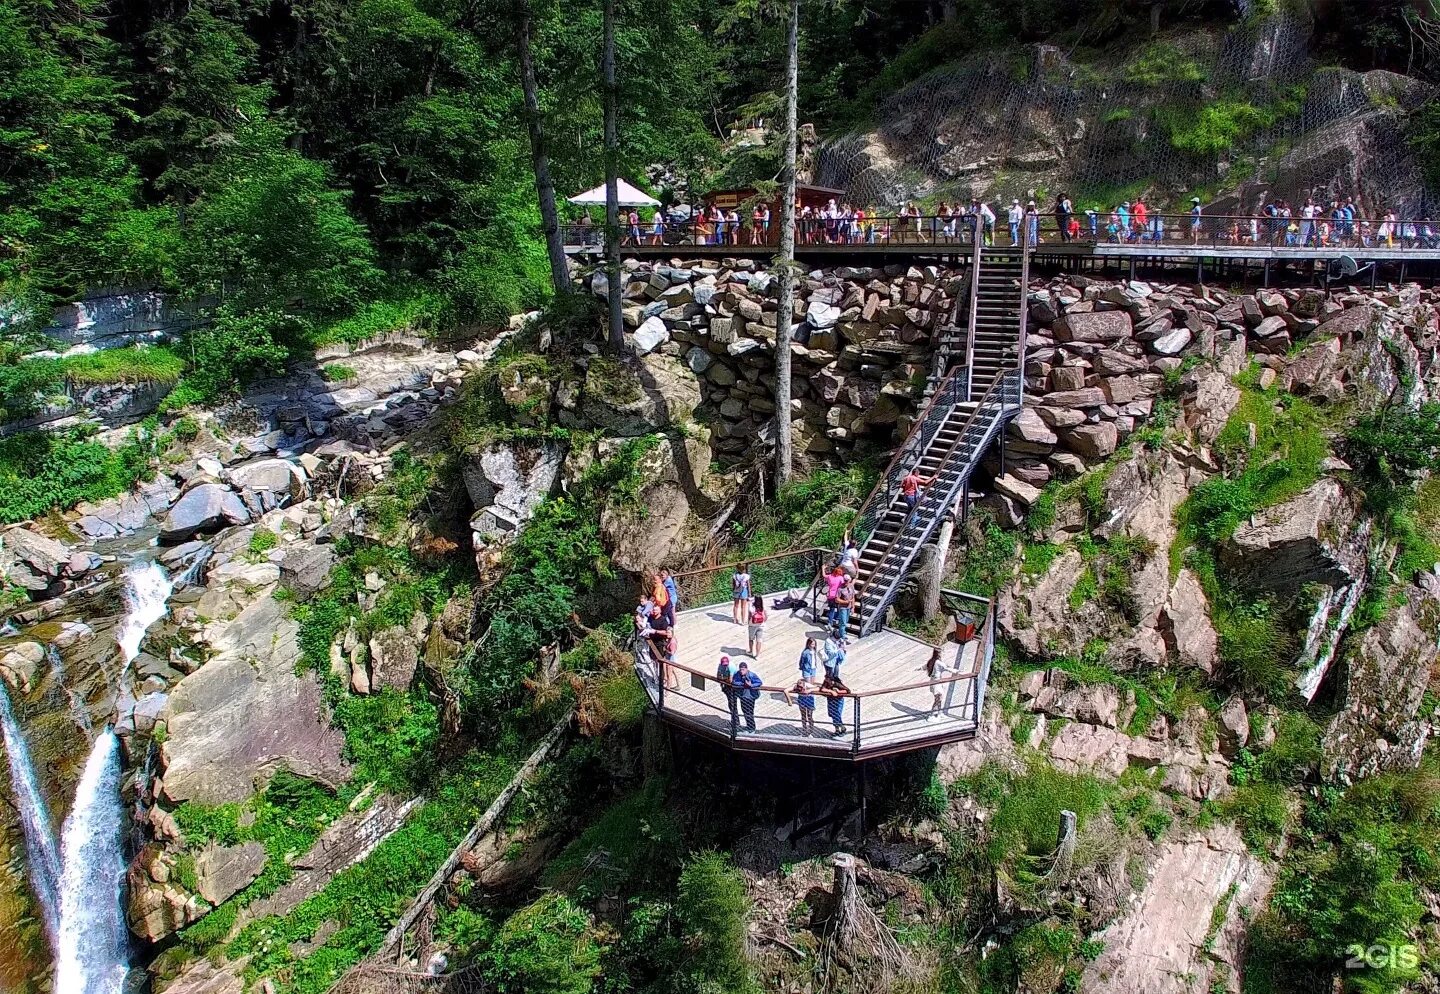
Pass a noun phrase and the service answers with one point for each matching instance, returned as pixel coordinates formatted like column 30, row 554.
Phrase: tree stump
column 847, row 901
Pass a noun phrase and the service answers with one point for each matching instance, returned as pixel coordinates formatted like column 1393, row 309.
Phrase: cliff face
column 1235, row 117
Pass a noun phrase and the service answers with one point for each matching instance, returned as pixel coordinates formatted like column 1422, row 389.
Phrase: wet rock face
column 1386, row 674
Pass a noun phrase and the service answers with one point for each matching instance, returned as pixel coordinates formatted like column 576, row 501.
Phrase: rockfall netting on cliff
column 1235, row 117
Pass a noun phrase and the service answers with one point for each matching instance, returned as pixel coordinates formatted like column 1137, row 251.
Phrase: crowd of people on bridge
column 1337, row 223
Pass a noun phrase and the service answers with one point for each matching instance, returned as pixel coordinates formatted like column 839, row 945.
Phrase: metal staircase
column 967, row 409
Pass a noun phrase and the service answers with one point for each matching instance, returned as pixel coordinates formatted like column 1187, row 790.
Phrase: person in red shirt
column 910, row 488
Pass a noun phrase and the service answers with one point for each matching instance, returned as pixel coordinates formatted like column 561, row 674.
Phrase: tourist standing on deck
column 835, row 646
column 809, row 661
column 938, row 669
column 1195, row 215
column 1015, row 215
column 1032, row 223
column 804, row 691
column 725, row 676
column 672, row 588
column 756, row 629
column 1062, row 216
column 740, row 594
column 834, row 582
column 835, row 692
column 844, row 603
column 747, row 688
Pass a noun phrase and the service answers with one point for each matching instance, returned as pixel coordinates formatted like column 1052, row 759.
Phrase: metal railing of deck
column 867, row 722
column 1103, row 228
column 795, row 570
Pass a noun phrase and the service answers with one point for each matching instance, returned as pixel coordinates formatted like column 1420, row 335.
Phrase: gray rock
column 221, row 871
column 393, row 658
column 821, row 315
column 42, row 554
column 506, row 483
column 203, row 508
column 698, row 360
column 650, row 336
column 1093, row 441
column 1173, row 342
column 285, row 479
column 1096, row 326
column 305, row 570
column 1287, row 546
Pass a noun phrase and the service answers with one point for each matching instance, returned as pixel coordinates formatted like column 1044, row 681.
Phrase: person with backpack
column 835, row 653
column 725, row 677
column 835, row 693
column 740, row 594
column 834, row 582
column 757, row 627
column 747, row 688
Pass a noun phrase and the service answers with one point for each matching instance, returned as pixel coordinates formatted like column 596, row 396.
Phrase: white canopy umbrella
column 629, row 196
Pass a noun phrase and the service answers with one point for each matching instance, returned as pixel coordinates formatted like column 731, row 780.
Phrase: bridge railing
column 1081, row 228
column 875, row 718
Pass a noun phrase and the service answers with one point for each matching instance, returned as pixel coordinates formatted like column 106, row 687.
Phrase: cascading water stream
column 147, row 588
column 41, row 852
column 91, row 949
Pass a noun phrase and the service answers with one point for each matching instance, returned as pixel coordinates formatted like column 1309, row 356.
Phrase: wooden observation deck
column 890, row 707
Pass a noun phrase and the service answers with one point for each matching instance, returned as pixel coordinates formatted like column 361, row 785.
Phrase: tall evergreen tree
column 784, row 455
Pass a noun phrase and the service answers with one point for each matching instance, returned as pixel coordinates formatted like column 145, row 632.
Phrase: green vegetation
column 814, row 511
column 547, row 948
column 1218, row 126
column 1353, row 878
column 337, row 372
column 1290, row 443
column 1160, row 63
column 42, row 470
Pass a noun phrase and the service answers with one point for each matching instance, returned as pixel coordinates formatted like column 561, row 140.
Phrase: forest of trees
column 319, row 168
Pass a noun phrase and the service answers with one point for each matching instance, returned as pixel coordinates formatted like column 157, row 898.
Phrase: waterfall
column 147, row 588
column 192, row 572
column 92, row 947
column 40, row 850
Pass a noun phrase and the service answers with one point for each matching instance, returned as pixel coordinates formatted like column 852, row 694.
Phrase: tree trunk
column 612, row 168
column 784, row 457
column 544, row 185
column 1155, row 9
column 931, row 571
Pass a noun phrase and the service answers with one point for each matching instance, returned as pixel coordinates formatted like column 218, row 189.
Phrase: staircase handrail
column 1020, row 347
column 919, row 517
column 974, row 309
column 951, row 391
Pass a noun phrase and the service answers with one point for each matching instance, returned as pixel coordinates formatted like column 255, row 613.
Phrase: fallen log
column 486, row 821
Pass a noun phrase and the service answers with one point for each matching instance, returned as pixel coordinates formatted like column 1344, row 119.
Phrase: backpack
column 757, row 617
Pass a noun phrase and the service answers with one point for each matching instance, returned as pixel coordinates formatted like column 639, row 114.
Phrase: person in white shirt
column 986, row 222
column 1015, row 215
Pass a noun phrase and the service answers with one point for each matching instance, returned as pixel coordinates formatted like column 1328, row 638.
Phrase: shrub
column 630, row 847
column 714, row 908
column 40, row 470
column 336, row 372
column 1261, row 811
column 548, row 947
column 236, row 349
column 1029, row 814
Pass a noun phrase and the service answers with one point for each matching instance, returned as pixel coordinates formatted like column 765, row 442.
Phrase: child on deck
column 756, row 629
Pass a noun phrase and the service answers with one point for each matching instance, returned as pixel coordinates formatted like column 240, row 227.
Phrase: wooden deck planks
column 886, row 659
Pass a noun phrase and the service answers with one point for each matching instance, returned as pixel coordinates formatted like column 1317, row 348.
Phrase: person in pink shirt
column 834, row 583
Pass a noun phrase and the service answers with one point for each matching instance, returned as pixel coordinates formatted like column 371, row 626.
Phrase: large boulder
column 1301, row 541
column 221, row 871
column 651, row 529
column 205, row 508
column 286, row 480
column 305, row 570
column 1210, row 397
column 1186, row 627
column 247, row 713
column 507, row 483
column 393, row 658
column 1094, row 326
column 40, row 553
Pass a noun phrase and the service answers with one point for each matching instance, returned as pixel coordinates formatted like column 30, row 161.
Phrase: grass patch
column 814, row 511
column 337, row 372
column 418, row 314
